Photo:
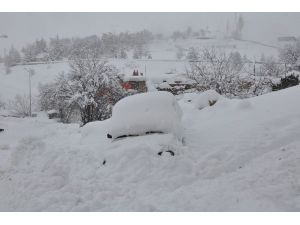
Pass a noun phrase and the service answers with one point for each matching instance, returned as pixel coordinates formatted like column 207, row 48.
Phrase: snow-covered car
column 146, row 113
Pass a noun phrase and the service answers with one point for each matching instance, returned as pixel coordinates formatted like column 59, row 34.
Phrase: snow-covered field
column 239, row 155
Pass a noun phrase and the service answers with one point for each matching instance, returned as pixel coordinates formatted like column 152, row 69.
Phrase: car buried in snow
column 146, row 113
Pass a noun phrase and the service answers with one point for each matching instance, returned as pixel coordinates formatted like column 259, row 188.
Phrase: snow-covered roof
column 147, row 112
column 134, row 78
column 164, row 85
column 52, row 111
column 180, row 79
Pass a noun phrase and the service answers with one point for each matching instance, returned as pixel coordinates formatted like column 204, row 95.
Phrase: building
column 136, row 81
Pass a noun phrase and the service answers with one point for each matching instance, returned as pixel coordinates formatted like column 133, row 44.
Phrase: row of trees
column 190, row 33
column 112, row 45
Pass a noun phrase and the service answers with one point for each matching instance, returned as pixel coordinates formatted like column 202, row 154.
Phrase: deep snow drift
column 239, row 155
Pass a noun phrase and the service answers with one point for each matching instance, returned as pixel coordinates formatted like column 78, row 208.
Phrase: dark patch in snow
column 169, row 151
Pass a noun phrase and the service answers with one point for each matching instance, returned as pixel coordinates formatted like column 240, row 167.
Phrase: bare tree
column 20, row 106
column 271, row 68
column 290, row 53
column 192, row 54
column 215, row 70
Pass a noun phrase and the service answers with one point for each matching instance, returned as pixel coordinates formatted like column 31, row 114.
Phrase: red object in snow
column 126, row 86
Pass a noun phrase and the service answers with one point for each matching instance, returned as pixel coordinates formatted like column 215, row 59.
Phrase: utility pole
column 30, row 74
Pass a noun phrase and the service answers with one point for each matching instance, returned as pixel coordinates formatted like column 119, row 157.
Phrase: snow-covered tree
column 20, row 106
column 290, row 53
column 189, row 32
column 237, row 33
column 236, row 60
column 92, row 86
column 56, row 49
column 271, row 68
column 140, row 51
column 29, row 52
column 36, row 51
column 178, row 35
column 123, row 54
column 12, row 58
column 216, row 70
column 192, row 54
column 180, row 53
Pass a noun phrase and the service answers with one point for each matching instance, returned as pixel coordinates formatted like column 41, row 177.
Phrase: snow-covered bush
column 290, row 53
column 216, row 70
column 92, row 87
column 286, row 82
column 20, row 106
column 250, row 85
column 271, row 68
column 207, row 98
column 225, row 73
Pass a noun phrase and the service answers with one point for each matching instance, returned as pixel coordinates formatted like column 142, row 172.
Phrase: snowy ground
column 239, row 155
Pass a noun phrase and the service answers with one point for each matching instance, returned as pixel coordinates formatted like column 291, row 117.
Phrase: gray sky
column 26, row 27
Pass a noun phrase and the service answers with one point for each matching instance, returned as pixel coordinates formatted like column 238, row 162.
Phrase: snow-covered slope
column 239, row 155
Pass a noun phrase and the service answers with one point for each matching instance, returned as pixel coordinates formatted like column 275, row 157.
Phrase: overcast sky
column 26, row 27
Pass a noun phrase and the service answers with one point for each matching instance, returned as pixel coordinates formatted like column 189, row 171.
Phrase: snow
column 239, row 155
column 147, row 112
column 164, row 85
column 207, row 98
column 17, row 81
column 52, row 111
column 134, row 78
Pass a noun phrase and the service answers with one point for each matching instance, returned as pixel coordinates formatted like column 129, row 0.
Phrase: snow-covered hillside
column 238, row 155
